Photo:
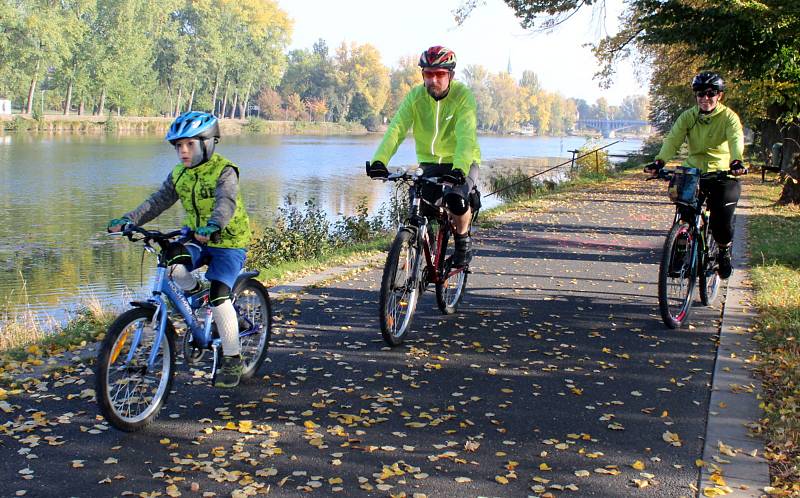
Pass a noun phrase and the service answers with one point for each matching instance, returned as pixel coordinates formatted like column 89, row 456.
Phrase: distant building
column 5, row 107
column 509, row 64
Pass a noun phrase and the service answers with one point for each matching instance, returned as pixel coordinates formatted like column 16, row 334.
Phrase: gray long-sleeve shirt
column 162, row 199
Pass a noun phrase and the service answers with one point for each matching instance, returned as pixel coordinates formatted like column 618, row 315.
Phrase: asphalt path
column 556, row 378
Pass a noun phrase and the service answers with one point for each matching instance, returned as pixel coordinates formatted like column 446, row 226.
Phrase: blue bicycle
column 136, row 362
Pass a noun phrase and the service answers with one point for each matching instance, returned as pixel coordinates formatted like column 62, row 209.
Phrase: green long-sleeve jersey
column 715, row 139
column 444, row 130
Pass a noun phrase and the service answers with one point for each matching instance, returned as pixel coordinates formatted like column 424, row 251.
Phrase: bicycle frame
column 163, row 286
column 420, row 223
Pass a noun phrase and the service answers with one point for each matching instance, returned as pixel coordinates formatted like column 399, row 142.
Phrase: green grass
column 286, row 271
column 775, row 263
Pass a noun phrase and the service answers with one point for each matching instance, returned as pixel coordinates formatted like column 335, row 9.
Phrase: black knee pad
column 456, row 203
column 219, row 293
column 177, row 254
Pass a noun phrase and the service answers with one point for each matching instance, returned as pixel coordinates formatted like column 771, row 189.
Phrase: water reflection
column 57, row 192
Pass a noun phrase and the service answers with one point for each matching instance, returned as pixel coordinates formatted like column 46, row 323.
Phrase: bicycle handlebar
column 412, row 176
column 129, row 230
column 667, row 174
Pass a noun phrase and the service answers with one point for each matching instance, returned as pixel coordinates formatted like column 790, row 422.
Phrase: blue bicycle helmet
column 200, row 125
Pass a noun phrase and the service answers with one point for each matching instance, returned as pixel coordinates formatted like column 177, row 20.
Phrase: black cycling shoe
column 463, row 250
column 229, row 372
column 724, row 263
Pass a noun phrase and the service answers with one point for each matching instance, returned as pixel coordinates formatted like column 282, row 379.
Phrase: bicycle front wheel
column 399, row 288
column 452, row 283
column 254, row 310
column 129, row 391
column 709, row 278
column 676, row 276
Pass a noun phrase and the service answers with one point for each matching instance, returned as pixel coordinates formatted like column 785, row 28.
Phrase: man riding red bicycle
column 442, row 113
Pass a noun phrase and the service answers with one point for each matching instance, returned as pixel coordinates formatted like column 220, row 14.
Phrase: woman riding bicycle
column 443, row 116
column 716, row 144
column 207, row 185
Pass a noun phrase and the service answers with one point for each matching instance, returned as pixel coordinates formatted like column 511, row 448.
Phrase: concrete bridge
column 608, row 126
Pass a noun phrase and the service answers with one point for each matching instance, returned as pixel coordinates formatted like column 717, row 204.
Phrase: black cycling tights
column 722, row 195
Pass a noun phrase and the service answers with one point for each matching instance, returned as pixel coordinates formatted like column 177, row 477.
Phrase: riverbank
column 56, row 123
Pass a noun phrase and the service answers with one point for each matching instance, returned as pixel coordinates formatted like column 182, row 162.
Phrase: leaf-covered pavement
column 556, row 378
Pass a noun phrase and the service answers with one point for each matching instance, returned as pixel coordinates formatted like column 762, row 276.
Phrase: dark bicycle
column 690, row 251
column 419, row 256
column 136, row 362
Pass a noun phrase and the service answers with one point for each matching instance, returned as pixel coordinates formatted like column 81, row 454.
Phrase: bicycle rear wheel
column 399, row 288
column 709, row 278
column 450, row 289
column 131, row 394
column 254, row 310
column 676, row 275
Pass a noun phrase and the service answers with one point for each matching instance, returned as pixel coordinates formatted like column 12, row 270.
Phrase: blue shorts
column 224, row 264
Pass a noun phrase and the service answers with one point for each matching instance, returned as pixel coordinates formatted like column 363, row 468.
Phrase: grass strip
column 775, row 273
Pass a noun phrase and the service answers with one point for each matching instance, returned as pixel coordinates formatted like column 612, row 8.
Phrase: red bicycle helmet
column 438, row 57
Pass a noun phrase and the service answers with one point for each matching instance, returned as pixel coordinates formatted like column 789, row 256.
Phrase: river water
column 57, row 192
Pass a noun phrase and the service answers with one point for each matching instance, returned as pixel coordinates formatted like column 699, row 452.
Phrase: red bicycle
column 419, row 256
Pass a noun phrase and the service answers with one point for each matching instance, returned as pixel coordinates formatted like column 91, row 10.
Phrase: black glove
column 737, row 168
column 455, row 177
column 654, row 167
column 377, row 170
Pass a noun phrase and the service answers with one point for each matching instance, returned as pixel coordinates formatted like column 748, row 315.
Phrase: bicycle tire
column 112, row 349
column 677, row 277
column 709, row 280
column 449, row 291
column 399, row 288
column 254, row 347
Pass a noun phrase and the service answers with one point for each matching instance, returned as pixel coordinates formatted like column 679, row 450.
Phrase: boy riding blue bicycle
column 207, row 185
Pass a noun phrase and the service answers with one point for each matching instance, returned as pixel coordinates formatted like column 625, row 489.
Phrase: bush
column 111, row 125
column 255, row 125
column 515, row 185
column 306, row 234
column 593, row 165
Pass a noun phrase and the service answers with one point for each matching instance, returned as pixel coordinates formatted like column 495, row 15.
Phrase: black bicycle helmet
column 708, row 81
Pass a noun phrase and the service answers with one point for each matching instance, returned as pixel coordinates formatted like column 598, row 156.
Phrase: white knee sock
column 228, row 327
column 183, row 277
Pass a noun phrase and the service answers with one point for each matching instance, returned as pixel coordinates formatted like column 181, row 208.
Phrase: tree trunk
column 243, row 108
column 31, row 92
column 102, row 106
column 81, row 107
column 791, row 165
column 214, row 97
column 68, row 103
column 235, row 104
column 191, row 97
column 178, row 101
column 224, row 103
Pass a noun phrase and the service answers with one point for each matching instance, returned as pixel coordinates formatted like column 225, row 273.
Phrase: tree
column 754, row 43
column 477, row 79
column 401, row 79
column 269, row 103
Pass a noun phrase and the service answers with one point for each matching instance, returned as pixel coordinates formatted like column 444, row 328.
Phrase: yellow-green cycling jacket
column 444, row 130
column 715, row 139
column 208, row 193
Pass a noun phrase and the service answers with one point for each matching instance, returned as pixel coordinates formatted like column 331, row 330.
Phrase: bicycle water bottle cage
column 684, row 185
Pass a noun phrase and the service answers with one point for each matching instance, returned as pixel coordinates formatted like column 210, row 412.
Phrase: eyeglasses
column 707, row 93
column 430, row 74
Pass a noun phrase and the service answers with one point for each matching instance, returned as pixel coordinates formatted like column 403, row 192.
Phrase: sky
column 489, row 37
